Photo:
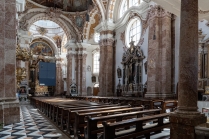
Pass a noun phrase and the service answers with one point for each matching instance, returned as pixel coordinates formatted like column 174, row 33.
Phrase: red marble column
column 106, row 71
column 58, row 78
column 69, row 72
column 109, row 69
column 186, row 117
column 9, row 107
column 159, row 58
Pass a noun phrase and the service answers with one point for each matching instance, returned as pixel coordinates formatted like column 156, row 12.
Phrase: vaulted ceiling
column 174, row 6
column 66, row 5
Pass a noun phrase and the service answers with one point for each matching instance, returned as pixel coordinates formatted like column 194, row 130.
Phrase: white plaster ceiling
column 174, row 6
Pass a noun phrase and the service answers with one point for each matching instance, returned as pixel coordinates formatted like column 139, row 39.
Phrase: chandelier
column 23, row 54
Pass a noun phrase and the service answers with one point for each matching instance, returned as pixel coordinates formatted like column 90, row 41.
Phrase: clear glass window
column 135, row 31
column 124, row 8
column 96, row 37
column 96, row 63
column 133, row 3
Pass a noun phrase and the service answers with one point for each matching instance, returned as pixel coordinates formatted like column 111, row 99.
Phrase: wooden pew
column 110, row 130
column 71, row 115
column 80, row 118
column 62, row 112
column 92, row 123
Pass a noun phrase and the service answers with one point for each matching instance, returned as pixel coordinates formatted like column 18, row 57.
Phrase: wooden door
column 95, row 91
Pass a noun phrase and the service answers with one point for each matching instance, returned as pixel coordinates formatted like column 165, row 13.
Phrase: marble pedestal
column 183, row 125
column 9, row 112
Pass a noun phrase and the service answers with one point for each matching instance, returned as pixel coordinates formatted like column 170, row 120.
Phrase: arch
column 111, row 7
column 42, row 16
column 35, row 14
column 101, row 8
column 49, row 40
column 87, row 25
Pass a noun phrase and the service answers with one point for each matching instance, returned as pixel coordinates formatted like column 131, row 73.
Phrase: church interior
column 104, row 69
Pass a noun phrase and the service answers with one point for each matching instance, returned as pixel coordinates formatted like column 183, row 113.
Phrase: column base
column 9, row 112
column 183, row 125
column 159, row 96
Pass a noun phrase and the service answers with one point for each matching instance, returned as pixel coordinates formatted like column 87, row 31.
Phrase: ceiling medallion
column 42, row 30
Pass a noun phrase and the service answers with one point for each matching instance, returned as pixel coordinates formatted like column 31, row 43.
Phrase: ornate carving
column 23, row 24
column 106, row 42
column 42, row 30
column 53, row 12
column 122, row 37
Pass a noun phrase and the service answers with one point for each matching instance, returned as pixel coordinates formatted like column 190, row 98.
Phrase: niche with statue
column 132, row 62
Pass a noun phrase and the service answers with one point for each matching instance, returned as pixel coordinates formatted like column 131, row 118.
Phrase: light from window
column 96, row 37
column 96, row 63
column 133, row 3
column 124, row 8
column 135, row 31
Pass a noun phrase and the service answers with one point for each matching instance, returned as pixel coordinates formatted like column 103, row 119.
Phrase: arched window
column 126, row 4
column 96, row 63
column 124, row 7
column 96, row 37
column 134, row 2
column 133, row 31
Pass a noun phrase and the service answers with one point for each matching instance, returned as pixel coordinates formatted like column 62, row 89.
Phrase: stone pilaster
column 69, row 71
column 78, row 72
column 186, row 117
column 159, row 58
column 83, row 75
column 9, row 105
column 106, row 72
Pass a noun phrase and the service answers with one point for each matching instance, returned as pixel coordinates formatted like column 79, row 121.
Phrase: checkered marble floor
column 31, row 126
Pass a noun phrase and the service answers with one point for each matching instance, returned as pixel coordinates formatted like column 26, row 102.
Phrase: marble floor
column 33, row 125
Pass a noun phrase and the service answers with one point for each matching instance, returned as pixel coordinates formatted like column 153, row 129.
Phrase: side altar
column 132, row 62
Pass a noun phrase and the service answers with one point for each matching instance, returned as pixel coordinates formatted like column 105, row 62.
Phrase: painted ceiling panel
column 66, row 5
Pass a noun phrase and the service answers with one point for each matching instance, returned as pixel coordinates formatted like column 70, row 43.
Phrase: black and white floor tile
column 32, row 125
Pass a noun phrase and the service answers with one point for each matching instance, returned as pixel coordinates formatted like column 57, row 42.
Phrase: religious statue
column 119, row 72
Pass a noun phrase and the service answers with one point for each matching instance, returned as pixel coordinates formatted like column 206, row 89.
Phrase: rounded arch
column 111, row 8
column 101, row 8
column 58, row 21
column 32, row 15
column 49, row 40
column 87, row 30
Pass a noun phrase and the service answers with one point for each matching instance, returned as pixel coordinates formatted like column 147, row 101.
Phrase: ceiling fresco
column 66, row 5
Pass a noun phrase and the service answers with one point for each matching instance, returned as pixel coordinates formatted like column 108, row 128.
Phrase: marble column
column 106, row 71
column 83, row 75
column 69, row 72
column 186, row 117
column 9, row 105
column 159, row 59
column 58, row 77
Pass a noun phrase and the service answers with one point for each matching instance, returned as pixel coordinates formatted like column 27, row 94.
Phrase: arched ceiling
column 66, row 5
column 174, row 7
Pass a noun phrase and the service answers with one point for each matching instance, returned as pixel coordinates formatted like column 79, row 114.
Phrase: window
column 96, row 37
column 96, row 63
column 133, row 31
column 126, row 4
column 124, row 7
column 133, row 3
